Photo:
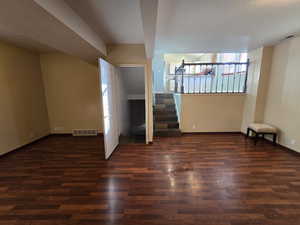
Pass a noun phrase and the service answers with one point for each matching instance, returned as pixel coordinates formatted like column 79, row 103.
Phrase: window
column 232, row 57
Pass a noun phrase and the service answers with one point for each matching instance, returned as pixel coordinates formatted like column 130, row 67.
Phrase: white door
column 109, row 104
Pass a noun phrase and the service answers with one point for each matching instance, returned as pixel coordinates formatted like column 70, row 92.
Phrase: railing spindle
column 246, row 78
column 204, row 76
column 240, row 77
column 200, row 89
column 234, row 73
column 211, row 78
column 229, row 70
column 217, row 74
column 222, row 75
column 194, row 79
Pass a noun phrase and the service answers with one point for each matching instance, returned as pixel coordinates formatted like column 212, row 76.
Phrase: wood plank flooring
column 207, row 179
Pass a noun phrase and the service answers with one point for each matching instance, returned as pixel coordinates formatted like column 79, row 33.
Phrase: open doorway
column 123, row 105
column 132, row 108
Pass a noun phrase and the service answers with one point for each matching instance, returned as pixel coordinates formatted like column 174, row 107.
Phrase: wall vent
column 85, row 132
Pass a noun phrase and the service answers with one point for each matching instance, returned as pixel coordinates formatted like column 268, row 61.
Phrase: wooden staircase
column 165, row 116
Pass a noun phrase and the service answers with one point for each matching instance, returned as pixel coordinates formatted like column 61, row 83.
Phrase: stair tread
column 158, row 105
column 166, row 121
column 167, row 129
column 165, row 116
column 164, row 111
column 166, row 124
column 169, row 107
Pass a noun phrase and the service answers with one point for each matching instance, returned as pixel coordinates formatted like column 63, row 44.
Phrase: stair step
column 165, row 118
column 164, row 107
column 164, row 101
column 166, row 124
column 163, row 95
column 165, row 113
column 164, row 110
column 167, row 132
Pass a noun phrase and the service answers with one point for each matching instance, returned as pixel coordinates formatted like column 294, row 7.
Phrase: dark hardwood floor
column 207, row 179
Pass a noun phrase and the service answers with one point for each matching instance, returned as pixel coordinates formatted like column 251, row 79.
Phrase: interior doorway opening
column 124, row 105
column 132, row 108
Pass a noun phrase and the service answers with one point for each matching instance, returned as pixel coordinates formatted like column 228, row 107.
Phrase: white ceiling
column 196, row 26
column 26, row 24
column 116, row 21
column 189, row 26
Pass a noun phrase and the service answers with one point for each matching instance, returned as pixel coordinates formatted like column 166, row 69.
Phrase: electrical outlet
column 293, row 142
column 194, row 126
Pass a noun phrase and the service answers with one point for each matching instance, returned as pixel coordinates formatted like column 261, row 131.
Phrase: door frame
column 147, row 120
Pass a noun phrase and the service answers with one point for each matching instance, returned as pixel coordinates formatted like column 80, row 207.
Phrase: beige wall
column 258, row 78
column 126, row 54
column 211, row 112
column 72, row 93
column 263, row 84
column 134, row 54
column 23, row 114
column 282, row 107
column 255, row 58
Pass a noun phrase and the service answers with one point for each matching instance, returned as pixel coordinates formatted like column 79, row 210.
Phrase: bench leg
column 248, row 132
column 274, row 138
column 256, row 138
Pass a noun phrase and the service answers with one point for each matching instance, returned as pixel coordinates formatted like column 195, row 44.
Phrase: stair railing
column 205, row 78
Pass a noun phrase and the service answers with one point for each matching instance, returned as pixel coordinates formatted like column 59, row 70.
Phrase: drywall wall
column 130, row 55
column 149, row 99
column 126, row 54
column 177, row 100
column 159, row 67
column 72, row 92
column 211, row 112
column 134, row 81
column 123, row 106
column 282, row 108
column 23, row 114
column 255, row 58
column 263, row 84
column 257, row 85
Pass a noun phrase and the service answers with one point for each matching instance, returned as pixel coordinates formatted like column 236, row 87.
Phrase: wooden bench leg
column 256, row 138
column 274, row 138
column 248, row 132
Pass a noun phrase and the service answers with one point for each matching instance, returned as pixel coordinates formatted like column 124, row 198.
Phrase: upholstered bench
column 260, row 129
